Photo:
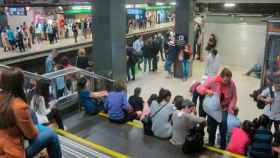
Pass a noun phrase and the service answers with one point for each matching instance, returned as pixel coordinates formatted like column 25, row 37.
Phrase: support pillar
column 183, row 28
column 108, row 53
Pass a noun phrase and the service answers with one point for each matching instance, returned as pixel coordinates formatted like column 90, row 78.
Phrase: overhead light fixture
column 172, row 3
column 229, row 5
column 159, row 3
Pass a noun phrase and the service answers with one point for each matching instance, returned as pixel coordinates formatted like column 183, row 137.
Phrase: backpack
column 194, row 140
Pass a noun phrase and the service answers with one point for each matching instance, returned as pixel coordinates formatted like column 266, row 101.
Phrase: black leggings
column 195, row 98
column 55, row 115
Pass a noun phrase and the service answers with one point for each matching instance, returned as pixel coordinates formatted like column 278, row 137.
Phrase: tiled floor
column 151, row 83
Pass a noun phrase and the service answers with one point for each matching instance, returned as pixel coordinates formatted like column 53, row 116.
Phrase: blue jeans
column 48, row 139
column 168, row 65
column 147, row 61
column 186, row 66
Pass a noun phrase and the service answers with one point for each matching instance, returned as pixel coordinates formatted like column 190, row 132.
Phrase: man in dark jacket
column 171, row 57
column 131, row 62
column 148, row 53
column 156, row 48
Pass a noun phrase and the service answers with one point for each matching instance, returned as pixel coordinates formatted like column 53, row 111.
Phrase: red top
column 238, row 141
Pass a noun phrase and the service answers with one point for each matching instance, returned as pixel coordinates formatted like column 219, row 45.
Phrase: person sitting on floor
column 178, row 100
column 161, row 110
column 147, row 105
column 89, row 100
column 240, row 138
column 43, row 107
column 117, row 104
column 17, row 125
column 261, row 146
column 183, row 121
column 137, row 102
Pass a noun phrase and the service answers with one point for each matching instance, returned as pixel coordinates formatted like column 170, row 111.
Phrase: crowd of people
column 26, row 36
column 177, row 55
column 26, row 117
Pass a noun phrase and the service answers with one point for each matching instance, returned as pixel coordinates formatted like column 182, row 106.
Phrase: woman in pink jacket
column 225, row 88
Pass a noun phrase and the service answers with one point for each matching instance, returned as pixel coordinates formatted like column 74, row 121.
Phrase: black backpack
column 194, row 140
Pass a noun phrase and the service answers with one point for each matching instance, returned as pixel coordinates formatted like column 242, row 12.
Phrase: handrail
column 26, row 73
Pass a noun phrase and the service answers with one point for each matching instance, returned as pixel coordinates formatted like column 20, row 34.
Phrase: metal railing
column 69, row 77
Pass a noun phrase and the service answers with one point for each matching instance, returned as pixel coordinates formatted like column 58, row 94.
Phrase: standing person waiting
column 147, row 54
column 138, row 46
column 171, row 57
column 43, row 107
column 49, row 62
column 212, row 63
column 184, row 58
column 131, row 62
column 82, row 59
column 75, row 31
column 19, row 39
column 161, row 112
column 223, row 86
column 117, row 104
column 17, row 125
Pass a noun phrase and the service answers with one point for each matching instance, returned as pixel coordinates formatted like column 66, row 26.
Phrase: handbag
column 147, row 122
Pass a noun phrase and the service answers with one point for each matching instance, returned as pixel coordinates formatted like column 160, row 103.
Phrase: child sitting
column 183, row 121
column 137, row 102
column 232, row 122
column 147, row 105
column 178, row 100
column 240, row 138
column 261, row 146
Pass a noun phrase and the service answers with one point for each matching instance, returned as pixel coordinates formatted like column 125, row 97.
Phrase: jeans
column 147, row 61
column 168, row 65
column 212, row 128
column 48, row 139
column 186, row 66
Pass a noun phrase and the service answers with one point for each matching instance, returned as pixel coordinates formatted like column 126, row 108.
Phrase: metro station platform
column 66, row 45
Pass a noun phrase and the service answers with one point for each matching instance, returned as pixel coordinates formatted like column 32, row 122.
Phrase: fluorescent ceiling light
column 172, row 3
column 81, row 7
column 159, row 3
column 229, row 4
column 128, row 6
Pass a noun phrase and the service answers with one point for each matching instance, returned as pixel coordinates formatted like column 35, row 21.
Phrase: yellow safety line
column 134, row 123
column 223, row 152
column 90, row 144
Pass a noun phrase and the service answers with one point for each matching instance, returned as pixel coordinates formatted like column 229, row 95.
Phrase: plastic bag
column 212, row 106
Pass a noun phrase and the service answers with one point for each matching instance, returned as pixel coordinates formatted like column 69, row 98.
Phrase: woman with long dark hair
column 161, row 112
column 42, row 106
column 212, row 63
column 16, row 123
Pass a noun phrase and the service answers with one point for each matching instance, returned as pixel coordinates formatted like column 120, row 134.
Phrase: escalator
column 72, row 149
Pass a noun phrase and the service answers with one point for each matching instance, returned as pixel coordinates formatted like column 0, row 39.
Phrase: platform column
column 108, row 53
column 183, row 26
